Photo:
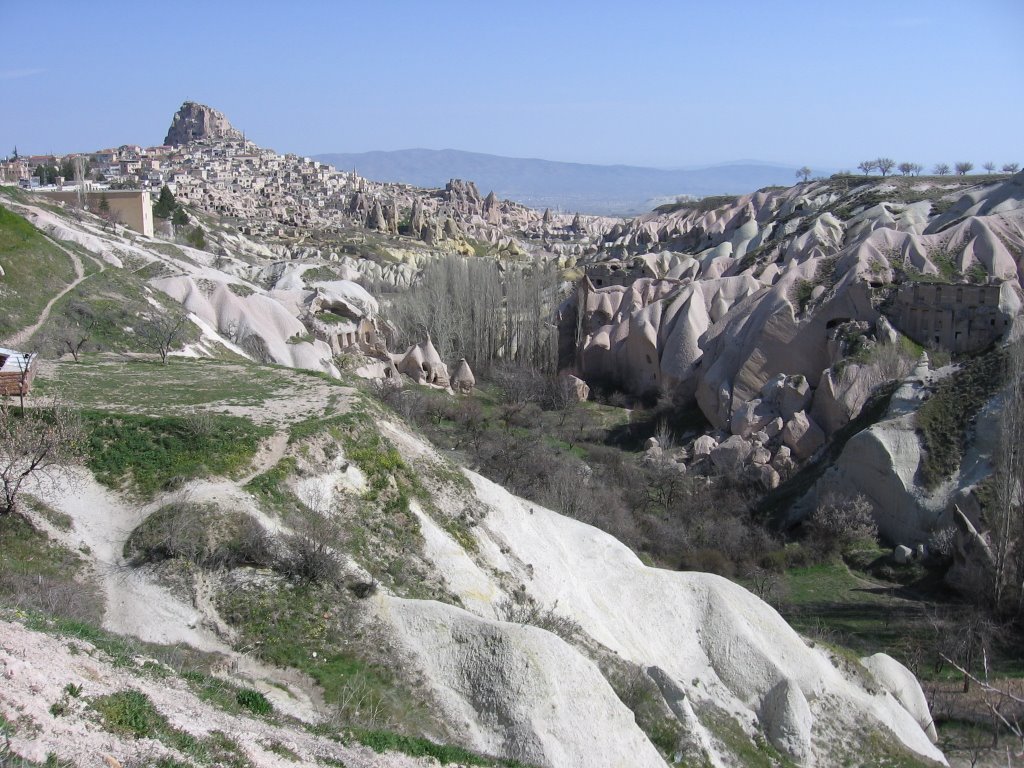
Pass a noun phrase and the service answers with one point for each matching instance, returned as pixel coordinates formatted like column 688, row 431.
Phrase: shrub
column 307, row 556
column 130, row 712
column 801, row 293
column 254, row 701
column 708, row 560
column 200, row 534
column 840, row 524
column 523, row 609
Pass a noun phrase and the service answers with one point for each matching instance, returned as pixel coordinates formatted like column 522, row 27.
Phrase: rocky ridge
column 196, row 122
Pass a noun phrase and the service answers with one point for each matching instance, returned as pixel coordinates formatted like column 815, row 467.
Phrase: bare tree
column 475, row 309
column 989, row 166
column 963, row 167
column 803, row 173
column 38, row 443
column 884, row 165
column 867, row 166
column 941, row 169
column 1003, row 703
column 1010, row 168
column 905, row 168
column 72, row 337
column 162, row 333
column 916, row 168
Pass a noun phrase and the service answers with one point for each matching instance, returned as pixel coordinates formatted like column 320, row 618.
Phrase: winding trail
column 25, row 334
column 270, row 453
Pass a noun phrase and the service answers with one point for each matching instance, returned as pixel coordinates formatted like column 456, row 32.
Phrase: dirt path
column 270, row 452
column 137, row 605
column 25, row 334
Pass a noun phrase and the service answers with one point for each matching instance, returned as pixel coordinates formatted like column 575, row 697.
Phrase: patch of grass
column 331, row 318
column 140, row 386
column 384, row 741
column 131, row 713
column 158, row 661
column 38, row 574
column 271, row 487
column 149, row 452
column 878, row 749
column 749, row 752
column 311, row 628
column 944, row 418
column 55, row 517
column 112, row 304
column 35, row 271
column 240, row 289
column 280, row 749
column 254, row 701
column 319, row 274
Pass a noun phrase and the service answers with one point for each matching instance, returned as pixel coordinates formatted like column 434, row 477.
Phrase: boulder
column 574, row 388
column 731, row 454
column 802, row 436
column 751, row 417
column 794, row 396
column 787, row 720
column 901, row 683
column 760, row 455
column 902, row 554
column 704, row 445
column 763, row 474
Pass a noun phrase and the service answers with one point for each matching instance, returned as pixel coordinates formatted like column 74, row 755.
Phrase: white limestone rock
column 731, row 454
column 704, row 445
column 901, row 683
column 802, row 436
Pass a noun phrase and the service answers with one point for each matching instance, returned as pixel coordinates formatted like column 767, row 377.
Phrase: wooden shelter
column 17, row 370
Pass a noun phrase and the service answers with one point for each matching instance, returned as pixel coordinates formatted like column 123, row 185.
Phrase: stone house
column 956, row 317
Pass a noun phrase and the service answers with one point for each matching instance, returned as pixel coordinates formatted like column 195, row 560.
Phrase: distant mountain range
column 602, row 189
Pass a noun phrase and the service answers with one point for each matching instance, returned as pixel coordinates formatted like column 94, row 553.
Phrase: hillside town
column 211, row 166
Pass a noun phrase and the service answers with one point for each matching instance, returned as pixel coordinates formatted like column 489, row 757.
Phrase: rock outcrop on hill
column 794, row 282
column 194, row 122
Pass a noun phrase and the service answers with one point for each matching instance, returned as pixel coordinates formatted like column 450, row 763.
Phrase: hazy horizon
column 662, row 85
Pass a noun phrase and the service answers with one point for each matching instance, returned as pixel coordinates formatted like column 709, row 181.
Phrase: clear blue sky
column 649, row 83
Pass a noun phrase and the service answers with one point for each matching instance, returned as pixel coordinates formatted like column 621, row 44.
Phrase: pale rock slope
column 714, row 649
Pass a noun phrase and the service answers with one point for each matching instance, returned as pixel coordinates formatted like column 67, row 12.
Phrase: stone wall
column 957, row 317
column 131, row 207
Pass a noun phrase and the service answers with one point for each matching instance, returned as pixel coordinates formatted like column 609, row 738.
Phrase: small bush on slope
column 200, row 534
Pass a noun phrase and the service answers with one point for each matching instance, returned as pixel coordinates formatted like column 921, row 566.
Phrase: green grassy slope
column 34, row 271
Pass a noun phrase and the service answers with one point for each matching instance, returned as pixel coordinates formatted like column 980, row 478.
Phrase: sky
column 664, row 84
